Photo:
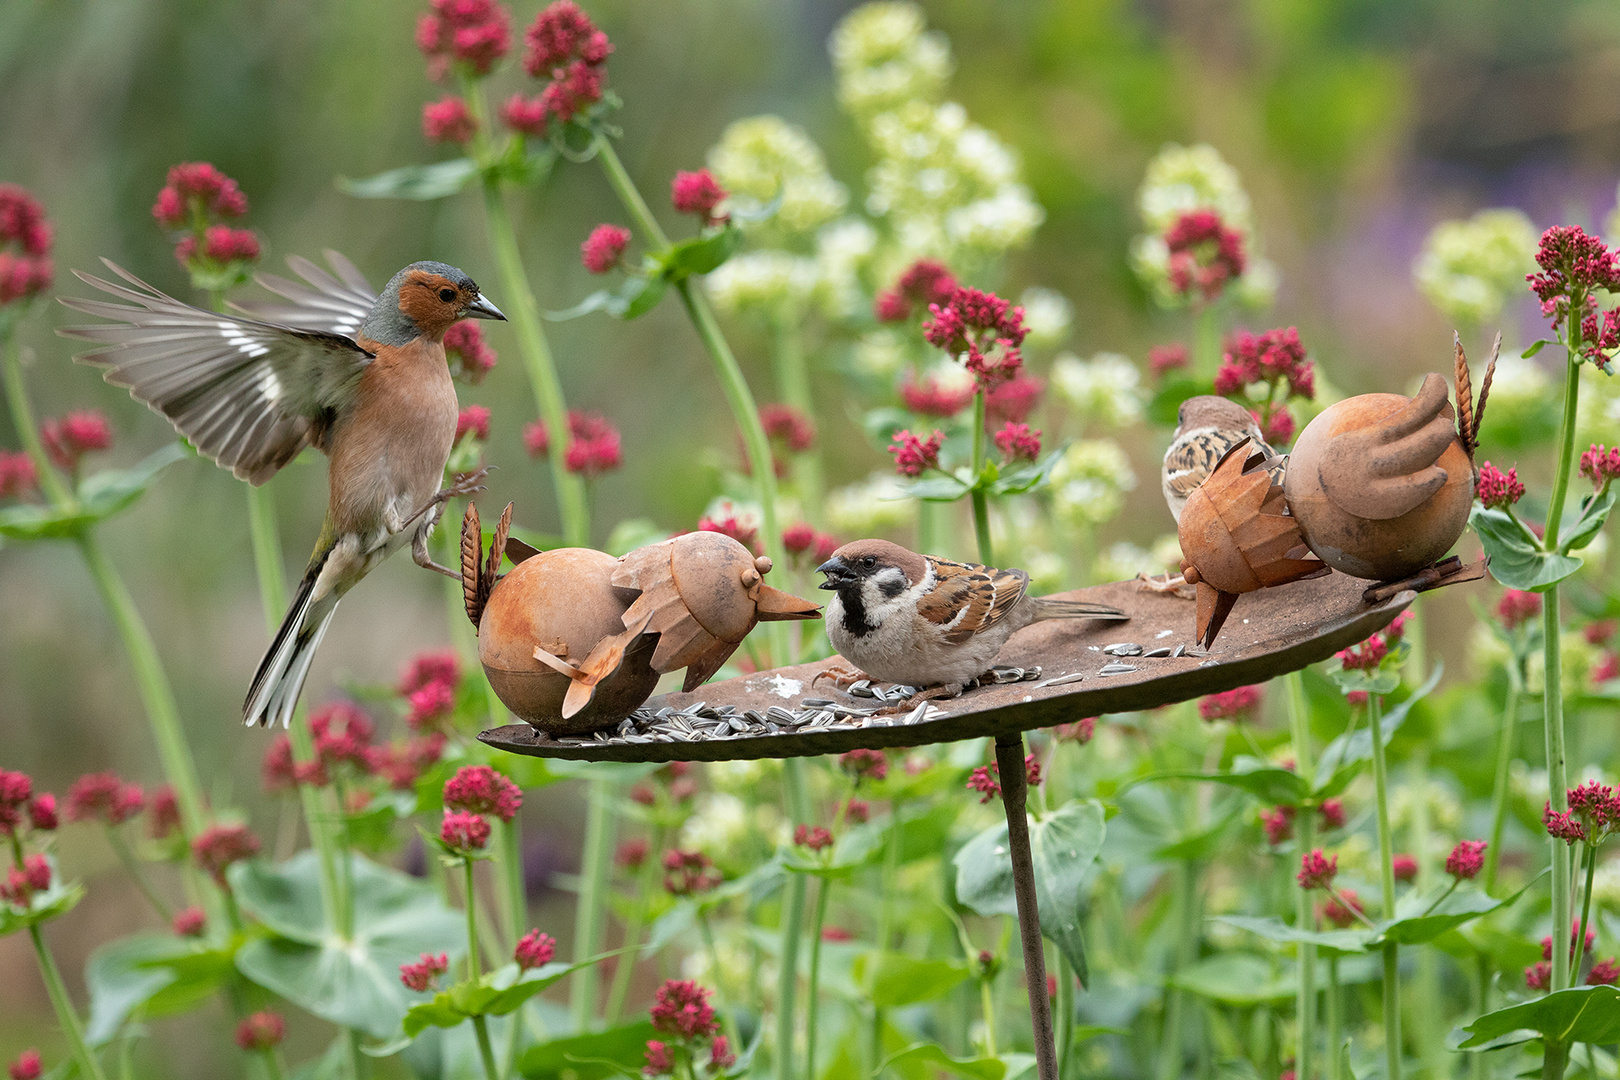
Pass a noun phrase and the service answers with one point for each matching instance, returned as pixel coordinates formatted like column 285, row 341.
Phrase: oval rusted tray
column 1270, row 633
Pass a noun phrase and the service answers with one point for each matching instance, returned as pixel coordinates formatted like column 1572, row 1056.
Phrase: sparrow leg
column 1172, row 583
column 840, row 676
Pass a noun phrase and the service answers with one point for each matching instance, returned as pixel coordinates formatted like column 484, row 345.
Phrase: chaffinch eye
column 447, row 295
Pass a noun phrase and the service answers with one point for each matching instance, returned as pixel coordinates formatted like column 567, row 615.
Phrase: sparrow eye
column 869, row 562
column 447, row 295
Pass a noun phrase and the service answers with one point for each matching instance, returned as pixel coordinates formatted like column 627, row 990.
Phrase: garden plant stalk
column 1386, row 880
column 89, row 1066
column 1305, row 1005
column 589, row 922
column 981, row 502
column 1499, row 791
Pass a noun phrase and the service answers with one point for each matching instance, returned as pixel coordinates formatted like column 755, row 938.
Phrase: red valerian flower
column 798, row 537
column 401, row 764
column 593, row 445
column 1316, row 870
column 435, row 665
column 534, row 949
column 1517, row 606
column 464, row 832
column 630, row 854
column 924, row 282
column 28, row 271
column 526, row 115
column 1278, row 427
column 435, row 700
column 659, row 1063
column 476, row 33
column 163, row 812
column 42, row 812
column 1599, row 632
column 985, row 784
column 18, row 476
column 278, row 772
column 220, row 846
column 536, row 439
column 1163, row 358
column 856, row 811
column 1204, row 254
column 788, row 424
column 931, row 397
column 1079, row 731
column 815, row 838
column 27, row 1066
column 342, row 735
column 448, row 121
column 564, row 46
column 688, row 872
column 1466, row 859
column 1574, row 936
column 914, row 455
column 1538, row 976
column 481, row 790
column 421, row 975
column 223, row 244
column 1341, row 910
column 1597, row 464
column 1499, row 490
column 602, row 249
column 1018, row 443
column 472, row 420
column 720, row 1055
column 681, row 1008
column 261, row 1031
column 1012, row 401
column 983, row 327
column 1364, row 657
column 1278, row 824
column 1573, row 264
column 470, row 356
column 731, row 526
column 1604, row 973
column 864, row 764
column 70, row 437
column 189, row 922
column 197, row 189
column 15, row 790
column 696, row 193
column 1403, row 867
column 1562, row 826
column 22, row 278
column 1332, row 811
column 1275, row 357
column 1239, row 704
column 105, row 797
column 836, row 934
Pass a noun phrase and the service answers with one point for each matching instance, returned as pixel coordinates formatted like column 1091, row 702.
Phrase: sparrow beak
column 483, row 309
column 837, row 571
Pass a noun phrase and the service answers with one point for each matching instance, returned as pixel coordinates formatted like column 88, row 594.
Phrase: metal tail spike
column 1213, row 608
column 497, row 547
column 1485, row 388
column 702, row 669
column 472, row 543
column 1466, row 427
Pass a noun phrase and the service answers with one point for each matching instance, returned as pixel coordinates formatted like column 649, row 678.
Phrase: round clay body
column 563, row 602
column 1379, row 548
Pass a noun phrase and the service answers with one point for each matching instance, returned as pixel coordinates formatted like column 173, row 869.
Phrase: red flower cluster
column 681, row 1008
column 220, row 244
column 802, row 538
column 567, row 48
column 1403, row 867
column 1574, row 936
column 1518, row 606
column 1018, row 443
column 16, row 795
column 1274, row 357
column 931, row 398
column 470, row 357
column 815, row 838
column 696, row 193
column 1600, row 465
column 18, row 476
column 630, row 854
column 1364, row 657
column 732, row 526
column 534, row 949
column 421, row 975
column 984, row 783
column 984, row 327
column 526, row 116
column 789, row 425
column 261, row 1031
column 464, row 833
column 924, row 283
column 472, row 420
column 429, row 685
column 1204, row 254
column 105, row 797
column 1012, row 401
column 196, row 191
column 1316, row 870
column 34, row 876
column 688, row 872
column 220, row 846
column 1332, row 811
column 162, row 811
column 26, row 1067
column 913, row 455
column 28, row 271
column 479, row 789
column 603, row 249
column 476, row 33
column 1499, row 490
column 342, row 736
column 1573, row 265
column 857, row 811
column 1238, row 704
column 189, row 922
column 1278, row 824
column 448, row 120
column 1466, row 859
column 1604, row 973
column 593, row 443
column 1080, row 731
column 1163, row 358
column 69, row 438
column 864, row 764
column 1538, row 976
column 1342, row 909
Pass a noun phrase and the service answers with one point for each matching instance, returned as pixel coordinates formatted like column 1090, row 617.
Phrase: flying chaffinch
column 359, row 376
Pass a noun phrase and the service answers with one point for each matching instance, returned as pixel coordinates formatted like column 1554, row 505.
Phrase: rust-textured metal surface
column 1270, row 632
column 1381, row 484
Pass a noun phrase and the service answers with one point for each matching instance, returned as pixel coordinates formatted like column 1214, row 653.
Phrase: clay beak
column 774, row 605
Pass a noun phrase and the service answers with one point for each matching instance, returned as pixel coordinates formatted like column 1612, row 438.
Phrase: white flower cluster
column 1105, row 390
column 1089, row 482
column 886, row 57
column 769, row 283
column 762, row 157
column 1048, row 315
column 1186, row 178
column 1469, row 268
column 843, row 251
column 870, row 507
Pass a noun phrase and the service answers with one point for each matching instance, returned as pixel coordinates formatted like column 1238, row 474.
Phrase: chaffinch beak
column 483, row 309
column 837, row 571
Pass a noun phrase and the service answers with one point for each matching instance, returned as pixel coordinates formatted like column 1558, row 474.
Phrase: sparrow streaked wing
column 337, row 305
column 968, row 598
column 248, row 394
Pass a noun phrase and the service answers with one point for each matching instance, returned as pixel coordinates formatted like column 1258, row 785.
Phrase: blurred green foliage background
column 1356, row 125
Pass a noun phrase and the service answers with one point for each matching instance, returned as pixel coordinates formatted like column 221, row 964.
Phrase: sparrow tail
column 1047, row 608
column 280, row 678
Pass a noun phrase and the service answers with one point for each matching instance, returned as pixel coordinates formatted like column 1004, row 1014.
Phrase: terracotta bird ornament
column 361, row 377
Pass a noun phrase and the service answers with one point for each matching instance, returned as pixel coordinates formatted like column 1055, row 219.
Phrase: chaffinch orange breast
column 360, row 376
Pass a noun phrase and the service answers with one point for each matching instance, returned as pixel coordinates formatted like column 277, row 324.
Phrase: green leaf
column 354, row 983
column 521, row 166
column 936, row 488
column 1235, row 979
column 702, row 254
column 589, row 1057
column 1594, row 512
column 1268, row 782
column 1274, row 929
column 119, row 981
column 61, row 898
column 100, row 496
column 496, row 994
column 634, row 297
column 1580, row 1014
column 1517, row 561
column 432, row 181
column 1028, row 477
column 1343, row 758
column 1415, row 923
column 979, row 1068
column 892, row 979
column 1535, row 347
column 1063, row 848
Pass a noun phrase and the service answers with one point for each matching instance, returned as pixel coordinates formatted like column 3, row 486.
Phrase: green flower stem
column 987, row 1003
column 1427, row 1032
column 89, row 1067
column 1499, row 793
column 1586, row 911
column 793, row 382
column 132, row 867
column 588, row 916
column 486, row 1051
column 797, row 799
column 1332, row 1009
column 271, row 1062
column 823, row 888
column 1478, row 1068
column 646, row 883
column 928, row 525
column 470, row 894
column 1065, row 1008
column 1170, row 1055
column 22, row 419
column 1553, row 695
column 1386, row 878
column 1554, row 1059
column 981, row 502
column 267, row 559
column 628, row 194
column 1305, row 1005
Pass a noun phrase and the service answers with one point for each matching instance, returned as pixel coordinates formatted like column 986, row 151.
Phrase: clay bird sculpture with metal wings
column 362, row 378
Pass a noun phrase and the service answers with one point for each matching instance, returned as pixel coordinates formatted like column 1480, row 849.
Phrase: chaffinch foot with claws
column 927, row 621
column 359, row 376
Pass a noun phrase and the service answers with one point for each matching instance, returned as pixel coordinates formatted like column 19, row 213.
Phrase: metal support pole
column 1014, row 791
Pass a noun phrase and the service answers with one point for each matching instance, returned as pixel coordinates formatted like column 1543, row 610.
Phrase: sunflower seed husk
column 860, row 688
column 815, row 702
column 779, row 714
column 1115, row 669
column 1159, row 653
column 1179, row 650
column 1063, row 680
column 1123, row 648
